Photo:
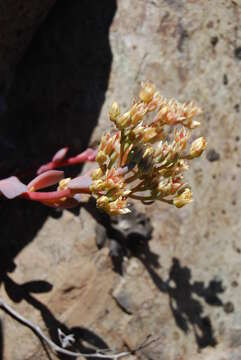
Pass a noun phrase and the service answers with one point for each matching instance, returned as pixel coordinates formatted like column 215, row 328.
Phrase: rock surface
column 184, row 287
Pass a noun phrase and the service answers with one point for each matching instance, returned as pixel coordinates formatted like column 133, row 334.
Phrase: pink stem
column 46, row 196
column 52, row 195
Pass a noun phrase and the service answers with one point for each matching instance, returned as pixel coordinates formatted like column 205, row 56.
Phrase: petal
column 45, row 179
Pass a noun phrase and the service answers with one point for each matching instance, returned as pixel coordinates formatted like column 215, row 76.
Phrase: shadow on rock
column 129, row 236
column 187, row 309
column 86, row 341
column 123, row 234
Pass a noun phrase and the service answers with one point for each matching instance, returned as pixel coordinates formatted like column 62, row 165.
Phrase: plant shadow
column 86, row 341
column 184, row 299
column 131, row 235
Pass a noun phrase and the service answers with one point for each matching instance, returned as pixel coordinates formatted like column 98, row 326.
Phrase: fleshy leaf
column 80, row 182
column 12, row 187
column 88, row 154
column 60, row 155
column 45, row 179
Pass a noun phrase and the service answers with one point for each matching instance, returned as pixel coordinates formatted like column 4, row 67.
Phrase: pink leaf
column 45, row 167
column 60, row 155
column 87, row 155
column 46, row 179
column 92, row 155
column 80, row 183
column 12, row 187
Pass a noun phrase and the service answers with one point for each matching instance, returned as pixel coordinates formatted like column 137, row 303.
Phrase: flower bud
column 97, row 173
column 164, row 188
column 63, row 184
column 147, row 91
column 194, row 124
column 114, row 111
column 183, row 199
column 102, row 202
column 123, row 120
column 197, row 147
column 149, row 133
column 97, row 185
column 101, row 157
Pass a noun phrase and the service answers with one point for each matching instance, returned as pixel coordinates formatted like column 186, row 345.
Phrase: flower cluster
column 143, row 159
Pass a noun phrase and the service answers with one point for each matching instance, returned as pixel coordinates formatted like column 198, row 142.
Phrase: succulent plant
column 143, row 159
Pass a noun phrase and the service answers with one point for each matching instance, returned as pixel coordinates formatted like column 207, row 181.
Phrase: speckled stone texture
column 184, row 287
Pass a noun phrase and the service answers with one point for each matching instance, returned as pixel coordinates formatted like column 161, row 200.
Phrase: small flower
column 197, row 147
column 147, row 91
column 114, row 111
column 116, row 207
column 123, row 120
column 183, row 199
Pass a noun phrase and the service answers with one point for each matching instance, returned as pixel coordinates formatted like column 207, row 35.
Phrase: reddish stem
column 46, row 196
column 52, row 195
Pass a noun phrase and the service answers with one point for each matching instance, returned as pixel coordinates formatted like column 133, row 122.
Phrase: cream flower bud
column 97, row 173
column 97, row 185
column 194, row 124
column 101, row 157
column 147, row 91
column 114, row 111
column 149, row 133
column 63, row 184
column 102, row 202
column 138, row 115
column 123, row 120
column 197, row 147
column 183, row 199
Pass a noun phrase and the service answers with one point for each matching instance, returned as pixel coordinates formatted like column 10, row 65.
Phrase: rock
column 134, row 226
column 124, row 300
column 101, row 235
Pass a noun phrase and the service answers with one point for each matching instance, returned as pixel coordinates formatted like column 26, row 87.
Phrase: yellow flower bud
column 118, row 207
column 114, row 111
column 101, row 157
column 164, row 188
column 63, row 184
column 149, row 133
column 102, row 202
column 194, row 124
column 183, row 199
column 97, row 185
column 123, row 120
column 96, row 174
column 147, row 91
column 197, row 147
